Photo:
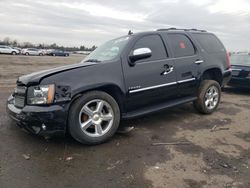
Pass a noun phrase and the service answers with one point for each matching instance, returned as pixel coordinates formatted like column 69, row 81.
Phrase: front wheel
column 13, row 53
column 209, row 96
column 94, row 118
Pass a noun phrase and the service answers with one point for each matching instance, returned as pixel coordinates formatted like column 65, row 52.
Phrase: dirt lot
column 218, row 158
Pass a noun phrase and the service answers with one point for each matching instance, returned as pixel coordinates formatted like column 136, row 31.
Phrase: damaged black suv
column 127, row 77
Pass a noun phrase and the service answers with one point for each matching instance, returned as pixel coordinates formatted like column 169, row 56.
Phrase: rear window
column 181, row 45
column 240, row 60
column 209, row 43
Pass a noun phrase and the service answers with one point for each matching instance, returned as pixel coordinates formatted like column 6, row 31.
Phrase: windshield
column 108, row 50
column 240, row 60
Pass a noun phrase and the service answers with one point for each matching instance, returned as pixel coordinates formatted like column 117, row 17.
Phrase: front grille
column 19, row 96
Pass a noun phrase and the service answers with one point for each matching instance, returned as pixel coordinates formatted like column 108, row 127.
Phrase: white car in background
column 32, row 51
column 8, row 50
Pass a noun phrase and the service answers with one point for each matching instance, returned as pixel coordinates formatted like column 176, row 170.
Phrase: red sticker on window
column 182, row 45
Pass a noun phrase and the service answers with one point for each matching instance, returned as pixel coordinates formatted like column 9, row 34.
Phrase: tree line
column 15, row 43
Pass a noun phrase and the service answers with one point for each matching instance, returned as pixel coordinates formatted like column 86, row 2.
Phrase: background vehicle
column 127, row 77
column 240, row 71
column 58, row 53
column 8, row 50
column 32, row 51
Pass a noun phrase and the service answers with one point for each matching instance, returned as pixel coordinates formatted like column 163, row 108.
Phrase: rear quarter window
column 210, row 43
column 181, row 45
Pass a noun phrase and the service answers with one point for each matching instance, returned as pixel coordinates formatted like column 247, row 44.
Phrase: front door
column 151, row 80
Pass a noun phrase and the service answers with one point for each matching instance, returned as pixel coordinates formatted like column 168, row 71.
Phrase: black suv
column 127, row 77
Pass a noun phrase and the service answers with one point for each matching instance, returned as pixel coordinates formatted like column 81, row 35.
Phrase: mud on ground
column 217, row 153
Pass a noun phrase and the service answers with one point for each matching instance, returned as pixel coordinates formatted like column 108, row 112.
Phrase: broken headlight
column 42, row 94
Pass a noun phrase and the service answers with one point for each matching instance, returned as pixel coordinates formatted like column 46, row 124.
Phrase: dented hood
column 36, row 77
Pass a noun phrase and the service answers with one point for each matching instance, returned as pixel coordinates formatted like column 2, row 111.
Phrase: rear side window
column 209, row 43
column 181, row 45
column 155, row 44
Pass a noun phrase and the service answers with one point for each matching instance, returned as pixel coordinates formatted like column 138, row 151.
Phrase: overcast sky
column 89, row 22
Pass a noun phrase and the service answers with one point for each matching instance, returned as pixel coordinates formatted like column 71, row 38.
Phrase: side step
column 156, row 108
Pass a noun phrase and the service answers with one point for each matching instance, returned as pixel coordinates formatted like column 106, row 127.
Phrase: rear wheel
column 209, row 95
column 94, row 118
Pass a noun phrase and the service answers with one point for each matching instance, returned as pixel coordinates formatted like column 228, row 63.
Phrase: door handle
column 168, row 71
column 198, row 62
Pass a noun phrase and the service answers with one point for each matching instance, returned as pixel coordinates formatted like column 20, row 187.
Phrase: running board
column 157, row 108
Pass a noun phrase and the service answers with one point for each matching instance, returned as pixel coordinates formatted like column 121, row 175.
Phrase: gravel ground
column 217, row 153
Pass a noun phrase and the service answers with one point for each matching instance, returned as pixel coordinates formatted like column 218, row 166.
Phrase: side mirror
column 138, row 54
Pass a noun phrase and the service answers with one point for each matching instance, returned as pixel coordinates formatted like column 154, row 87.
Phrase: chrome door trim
column 162, row 85
column 152, row 87
column 187, row 80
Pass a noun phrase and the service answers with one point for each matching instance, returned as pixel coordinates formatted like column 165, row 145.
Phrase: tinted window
column 181, row 45
column 155, row 44
column 209, row 43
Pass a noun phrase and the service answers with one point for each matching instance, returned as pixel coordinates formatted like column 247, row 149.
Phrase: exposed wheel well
column 213, row 74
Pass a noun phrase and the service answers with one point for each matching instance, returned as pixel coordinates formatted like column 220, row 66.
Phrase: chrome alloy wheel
column 96, row 118
column 212, row 97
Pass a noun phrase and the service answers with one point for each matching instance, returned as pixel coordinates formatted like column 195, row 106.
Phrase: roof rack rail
column 176, row 29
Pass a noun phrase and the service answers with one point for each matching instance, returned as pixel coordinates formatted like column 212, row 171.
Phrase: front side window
column 108, row 51
column 155, row 44
column 181, row 45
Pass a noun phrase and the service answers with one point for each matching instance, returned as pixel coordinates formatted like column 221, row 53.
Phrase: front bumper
column 41, row 120
column 239, row 82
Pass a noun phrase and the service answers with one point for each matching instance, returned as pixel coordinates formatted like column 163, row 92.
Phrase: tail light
column 228, row 61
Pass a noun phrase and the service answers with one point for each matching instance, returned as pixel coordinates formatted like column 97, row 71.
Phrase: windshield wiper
column 93, row 60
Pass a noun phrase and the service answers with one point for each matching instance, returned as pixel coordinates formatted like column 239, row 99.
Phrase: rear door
column 3, row 49
column 186, row 61
column 152, row 80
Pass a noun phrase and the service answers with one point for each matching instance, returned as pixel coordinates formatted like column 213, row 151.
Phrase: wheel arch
column 111, row 89
column 213, row 74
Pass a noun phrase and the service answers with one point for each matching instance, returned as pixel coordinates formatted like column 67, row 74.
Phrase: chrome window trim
column 161, row 85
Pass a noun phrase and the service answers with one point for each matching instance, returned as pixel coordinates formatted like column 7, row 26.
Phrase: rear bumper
column 227, row 75
column 40, row 120
column 239, row 82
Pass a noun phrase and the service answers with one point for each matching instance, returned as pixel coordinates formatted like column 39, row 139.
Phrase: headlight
column 43, row 94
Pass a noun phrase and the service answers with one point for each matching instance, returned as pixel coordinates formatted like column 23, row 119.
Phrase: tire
column 27, row 53
column 78, row 116
column 13, row 53
column 53, row 54
column 40, row 54
column 207, row 103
